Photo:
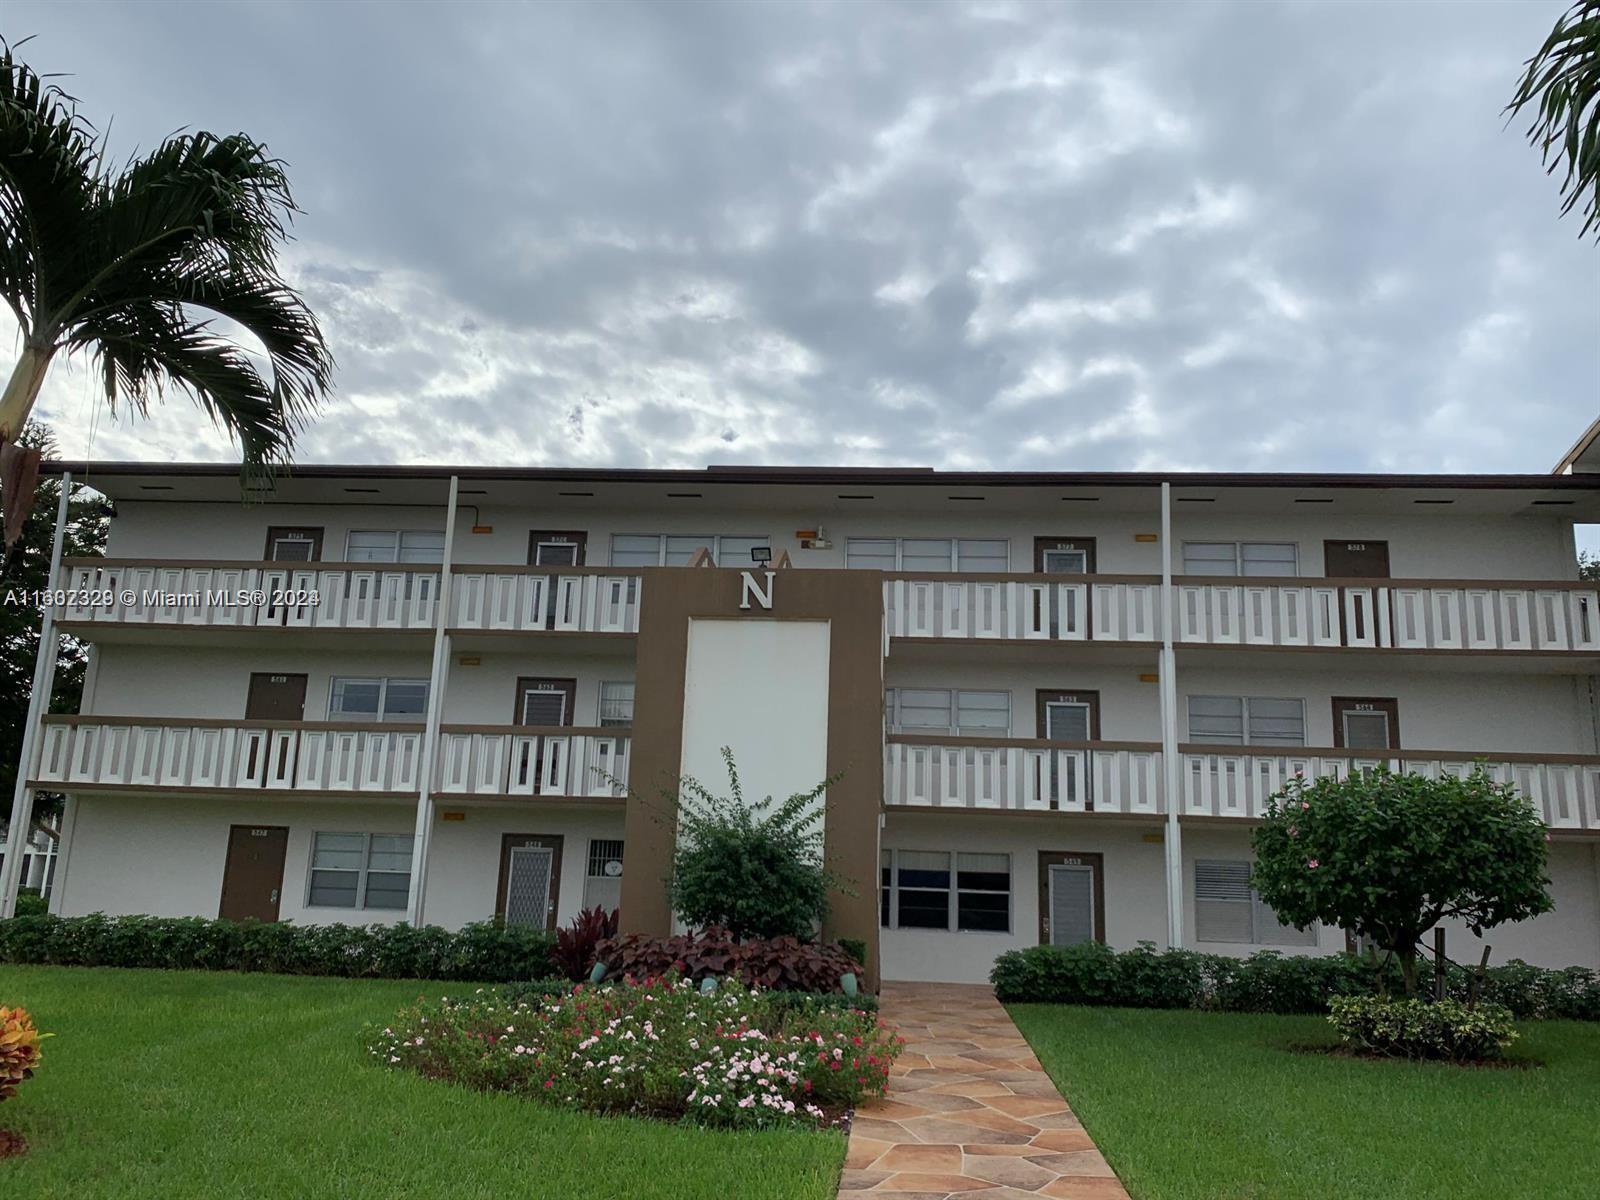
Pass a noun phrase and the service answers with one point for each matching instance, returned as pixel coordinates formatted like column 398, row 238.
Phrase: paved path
column 969, row 1110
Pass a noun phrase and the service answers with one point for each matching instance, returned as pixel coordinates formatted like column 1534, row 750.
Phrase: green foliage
column 479, row 952
column 1444, row 1029
column 1563, row 77
column 781, row 963
column 658, row 1048
column 856, row 948
column 754, row 869
column 30, row 903
column 1390, row 856
column 132, row 267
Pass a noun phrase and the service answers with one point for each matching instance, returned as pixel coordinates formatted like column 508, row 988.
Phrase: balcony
column 1214, row 782
column 1066, row 608
column 379, row 596
column 319, row 757
column 495, row 599
column 1395, row 614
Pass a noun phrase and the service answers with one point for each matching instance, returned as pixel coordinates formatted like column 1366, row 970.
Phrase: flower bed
column 658, row 1048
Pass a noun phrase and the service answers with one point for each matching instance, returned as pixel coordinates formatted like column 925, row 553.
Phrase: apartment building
column 444, row 695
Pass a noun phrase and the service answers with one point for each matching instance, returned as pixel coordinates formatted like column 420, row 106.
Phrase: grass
column 178, row 1084
column 1191, row 1106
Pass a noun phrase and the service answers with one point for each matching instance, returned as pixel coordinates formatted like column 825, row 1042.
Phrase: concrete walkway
column 969, row 1110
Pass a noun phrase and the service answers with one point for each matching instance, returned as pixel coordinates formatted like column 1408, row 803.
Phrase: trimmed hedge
column 1266, row 982
column 1444, row 1029
column 482, row 952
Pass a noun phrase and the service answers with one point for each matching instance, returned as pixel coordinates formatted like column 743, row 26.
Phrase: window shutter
column 1222, row 901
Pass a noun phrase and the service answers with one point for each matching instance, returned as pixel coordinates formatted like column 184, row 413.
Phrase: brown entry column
column 852, row 603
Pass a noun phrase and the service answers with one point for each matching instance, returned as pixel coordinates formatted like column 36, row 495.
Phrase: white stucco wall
column 165, row 857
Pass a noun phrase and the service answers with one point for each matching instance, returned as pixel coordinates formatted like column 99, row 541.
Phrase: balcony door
column 275, row 697
column 1366, row 723
column 1072, row 898
column 1063, row 555
column 545, row 701
column 557, row 547
column 252, row 875
column 296, row 543
column 1069, row 716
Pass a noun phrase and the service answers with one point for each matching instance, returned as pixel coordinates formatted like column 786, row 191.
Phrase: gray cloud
column 996, row 235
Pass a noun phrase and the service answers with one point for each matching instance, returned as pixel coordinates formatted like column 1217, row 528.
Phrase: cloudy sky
column 1007, row 235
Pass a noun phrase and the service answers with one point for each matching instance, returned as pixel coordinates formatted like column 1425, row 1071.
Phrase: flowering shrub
column 1444, row 1029
column 659, row 1048
column 19, row 1050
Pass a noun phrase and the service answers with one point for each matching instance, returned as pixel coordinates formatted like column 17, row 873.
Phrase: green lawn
column 177, row 1084
column 1188, row 1105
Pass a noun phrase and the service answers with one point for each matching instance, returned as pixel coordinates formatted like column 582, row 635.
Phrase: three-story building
column 1052, row 705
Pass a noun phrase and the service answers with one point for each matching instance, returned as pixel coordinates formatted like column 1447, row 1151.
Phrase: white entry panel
column 760, row 687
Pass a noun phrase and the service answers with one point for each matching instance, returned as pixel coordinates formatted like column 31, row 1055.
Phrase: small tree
column 753, row 869
column 1390, row 856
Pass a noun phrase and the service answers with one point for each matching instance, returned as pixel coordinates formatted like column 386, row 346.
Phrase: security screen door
column 1064, row 555
column 1366, row 723
column 530, row 879
column 1071, row 898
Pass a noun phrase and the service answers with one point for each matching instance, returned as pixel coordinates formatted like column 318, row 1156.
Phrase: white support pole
column 1173, row 842
column 44, row 678
column 422, row 841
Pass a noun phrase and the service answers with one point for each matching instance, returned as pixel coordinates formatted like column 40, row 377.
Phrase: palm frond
column 1562, row 82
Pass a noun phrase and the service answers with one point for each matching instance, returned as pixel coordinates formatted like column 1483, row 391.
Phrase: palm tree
column 1564, row 79
column 133, row 268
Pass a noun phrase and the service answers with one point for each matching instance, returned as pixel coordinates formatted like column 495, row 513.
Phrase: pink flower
column 1304, row 804
column 1294, row 831
column 1548, row 838
column 1311, row 864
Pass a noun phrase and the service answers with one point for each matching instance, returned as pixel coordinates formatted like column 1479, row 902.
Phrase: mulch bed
column 1342, row 1051
column 12, row 1145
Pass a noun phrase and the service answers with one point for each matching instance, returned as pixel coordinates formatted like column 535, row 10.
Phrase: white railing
column 1229, row 781
column 528, row 601
column 300, row 595
column 1044, row 607
column 1396, row 614
column 314, row 756
column 532, row 762
column 1023, row 775
column 228, row 755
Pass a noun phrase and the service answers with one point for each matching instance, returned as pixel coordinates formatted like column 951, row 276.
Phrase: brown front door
column 1355, row 560
column 275, row 697
column 545, row 701
column 294, row 543
column 556, row 547
column 530, row 879
column 1366, row 723
column 1072, row 898
column 1064, row 555
column 252, row 877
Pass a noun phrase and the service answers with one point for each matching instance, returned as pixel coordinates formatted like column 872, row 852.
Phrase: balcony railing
column 1237, row 781
column 320, row 756
column 1024, row 607
column 244, row 594
column 532, row 599
column 1032, row 775
column 1023, row 774
column 1396, row 614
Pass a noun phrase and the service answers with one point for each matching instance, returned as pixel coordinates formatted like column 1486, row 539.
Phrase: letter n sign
column 749, row 589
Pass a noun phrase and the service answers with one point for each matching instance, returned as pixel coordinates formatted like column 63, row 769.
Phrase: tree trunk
column 1408, row 970
column 27, row 377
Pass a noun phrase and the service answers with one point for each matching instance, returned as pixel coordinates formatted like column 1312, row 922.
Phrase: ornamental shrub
column 1390, row 856
column 577, row 946
column 656, row 1048
column 19, row 1050
column 752, row 868
column 486, row 952
column 1443, row 1029
column 781, row 963
column 30, row 903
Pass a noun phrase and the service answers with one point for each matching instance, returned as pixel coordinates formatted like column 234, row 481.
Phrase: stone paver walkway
column 969, row 1110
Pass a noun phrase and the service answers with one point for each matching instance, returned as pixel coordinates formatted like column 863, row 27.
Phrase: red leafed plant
column 576, row 945
column 19, row 1055
column 780, row 964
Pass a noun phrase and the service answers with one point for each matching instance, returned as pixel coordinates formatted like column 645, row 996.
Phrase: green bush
column 1444, row 1029
column 483, row 952
column 30, row 903
column 1268, row 981
column 856, row 948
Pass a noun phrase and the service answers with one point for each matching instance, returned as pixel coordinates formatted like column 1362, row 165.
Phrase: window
column 602, row 881
column 1227, row 909
column 942, row 710
column 915, row 891
column 1247, row 720
column 1241, row 558
column 928, row 555
column 616, row 704
column 378, row 699
column 359, row 870
column 675, row 550
column 395, row 545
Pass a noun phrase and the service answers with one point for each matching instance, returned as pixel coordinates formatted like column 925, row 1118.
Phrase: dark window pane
column 984, row 881
column 387, row 889
column 924, row 909
column 334, row 889
column 983, row 911
column 924, row 879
